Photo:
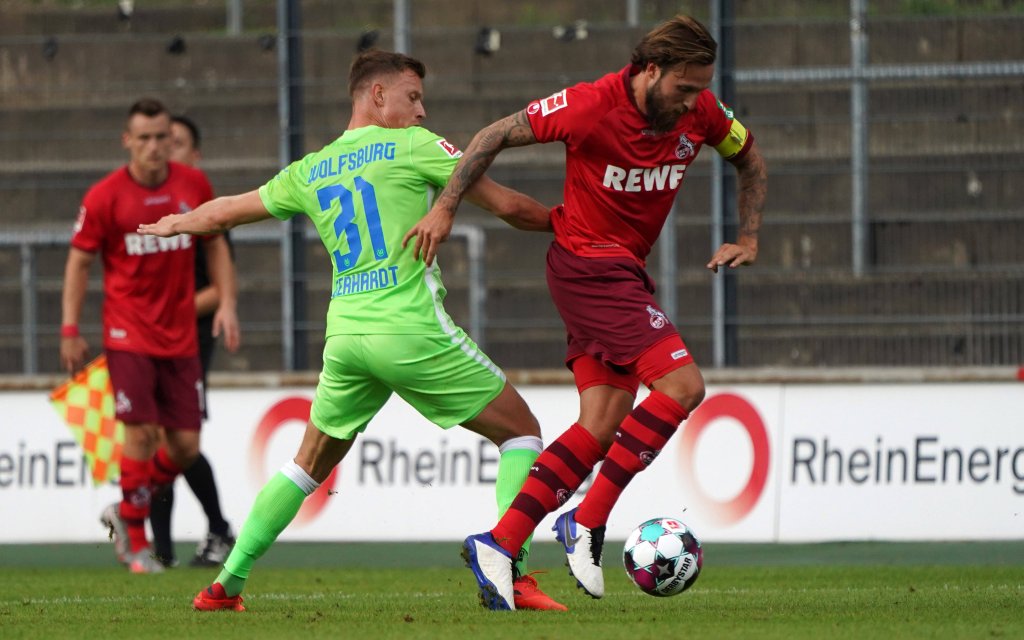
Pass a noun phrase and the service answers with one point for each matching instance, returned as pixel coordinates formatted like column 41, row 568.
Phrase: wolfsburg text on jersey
column 334, row 166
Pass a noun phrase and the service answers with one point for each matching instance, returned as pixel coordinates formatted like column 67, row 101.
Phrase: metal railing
column 895, row 146
column 28, row 243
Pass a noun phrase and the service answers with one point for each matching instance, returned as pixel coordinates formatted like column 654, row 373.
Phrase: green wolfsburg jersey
column 363, row 192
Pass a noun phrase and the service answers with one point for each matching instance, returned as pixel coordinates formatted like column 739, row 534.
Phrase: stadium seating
column 62, row 115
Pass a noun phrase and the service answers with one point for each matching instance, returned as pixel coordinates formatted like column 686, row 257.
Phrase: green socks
column 275, row 507
column 513, row 468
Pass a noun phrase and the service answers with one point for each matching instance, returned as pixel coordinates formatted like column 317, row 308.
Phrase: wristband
column 69, row 331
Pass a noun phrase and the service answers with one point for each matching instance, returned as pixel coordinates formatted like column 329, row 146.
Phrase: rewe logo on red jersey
column 667, row 176
column 138, row 245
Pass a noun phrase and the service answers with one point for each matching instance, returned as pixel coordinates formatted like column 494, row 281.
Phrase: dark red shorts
column 611, row 316
column 163, row 391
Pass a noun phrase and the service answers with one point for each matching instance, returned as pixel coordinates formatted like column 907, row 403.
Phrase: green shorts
column 448, row 379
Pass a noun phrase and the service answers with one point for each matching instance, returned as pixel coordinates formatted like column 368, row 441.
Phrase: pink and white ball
column 663, row 557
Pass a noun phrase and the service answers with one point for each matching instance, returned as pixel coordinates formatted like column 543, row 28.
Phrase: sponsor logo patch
column 679, row 355
column 449, row 148
column 553, row 103
column 533, row 108
column 726, row 110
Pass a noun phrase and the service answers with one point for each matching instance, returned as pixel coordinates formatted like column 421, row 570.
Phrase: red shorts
column 612, row 317
column 163, row 391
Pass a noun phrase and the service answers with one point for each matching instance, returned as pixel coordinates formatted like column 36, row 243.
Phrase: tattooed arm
column 753, row 190
column 434, row 228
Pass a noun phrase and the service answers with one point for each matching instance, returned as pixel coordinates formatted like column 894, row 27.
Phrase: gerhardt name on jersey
column 667, row 176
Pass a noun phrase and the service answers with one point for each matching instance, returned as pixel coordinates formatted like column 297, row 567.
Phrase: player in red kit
column 149, row 328
column 629, row 137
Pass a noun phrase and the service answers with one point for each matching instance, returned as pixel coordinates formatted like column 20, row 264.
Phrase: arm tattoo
column 513, row 131
column 753, row 190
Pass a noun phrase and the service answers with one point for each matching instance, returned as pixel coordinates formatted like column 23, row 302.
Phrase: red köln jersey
column 148, row 282
column 621, row 177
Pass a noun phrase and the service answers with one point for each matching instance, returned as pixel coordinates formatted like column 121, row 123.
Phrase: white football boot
column 583, row 548
column 492, row 567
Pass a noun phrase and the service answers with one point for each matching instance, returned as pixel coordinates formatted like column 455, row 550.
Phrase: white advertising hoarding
column 756, row 462
column 903, row 462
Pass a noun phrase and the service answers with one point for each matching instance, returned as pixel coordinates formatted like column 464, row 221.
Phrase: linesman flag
column 86, row 404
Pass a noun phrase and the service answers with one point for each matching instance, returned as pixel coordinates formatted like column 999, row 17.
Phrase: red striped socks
column 554, row 477
column 638, row 441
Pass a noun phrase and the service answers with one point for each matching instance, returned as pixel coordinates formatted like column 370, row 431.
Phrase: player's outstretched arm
column 517, row 209
column 216, row 216
column 753, row 191
column 435, row 227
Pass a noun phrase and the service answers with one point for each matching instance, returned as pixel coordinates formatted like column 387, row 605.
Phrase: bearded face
column 673, row 92
column 662, row 114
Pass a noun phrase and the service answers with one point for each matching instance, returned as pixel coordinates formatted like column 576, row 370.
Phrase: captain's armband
column 735, row 142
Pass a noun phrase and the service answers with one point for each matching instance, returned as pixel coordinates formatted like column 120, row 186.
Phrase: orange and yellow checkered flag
column 86, row 403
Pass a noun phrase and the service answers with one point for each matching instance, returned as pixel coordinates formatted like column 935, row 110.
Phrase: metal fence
column 895, row 143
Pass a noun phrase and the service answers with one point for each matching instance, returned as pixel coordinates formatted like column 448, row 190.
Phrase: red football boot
column 529, row 596
column 213, row 598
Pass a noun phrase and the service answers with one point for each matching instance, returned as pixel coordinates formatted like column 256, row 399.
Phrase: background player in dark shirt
column 213, row 549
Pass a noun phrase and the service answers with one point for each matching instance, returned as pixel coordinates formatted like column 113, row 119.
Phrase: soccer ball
column 663, row 557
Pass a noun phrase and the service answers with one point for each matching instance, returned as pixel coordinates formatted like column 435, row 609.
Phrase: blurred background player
column 387, row 330
column 629, row 138
column 213, row 549
column 149, row 329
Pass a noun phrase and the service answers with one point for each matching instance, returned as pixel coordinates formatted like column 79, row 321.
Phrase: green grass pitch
column 377, row 591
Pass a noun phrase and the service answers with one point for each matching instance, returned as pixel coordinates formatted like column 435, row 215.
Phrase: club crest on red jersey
column 658, row 319
column 449, row 148
column 685, row 149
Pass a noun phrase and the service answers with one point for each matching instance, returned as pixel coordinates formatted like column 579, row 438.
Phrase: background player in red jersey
column 629, row 139
column 149, row 329
column 214, row 548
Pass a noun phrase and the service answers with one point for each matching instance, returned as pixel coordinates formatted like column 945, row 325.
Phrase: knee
column 689, row 395
column 693, row 397
column 184, row 456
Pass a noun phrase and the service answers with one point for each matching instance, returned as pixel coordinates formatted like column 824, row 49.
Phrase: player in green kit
column 387, row 330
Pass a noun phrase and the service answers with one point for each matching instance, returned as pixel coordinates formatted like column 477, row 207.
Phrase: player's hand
column 164, row 227
column 73, row 353
column 432, row 229
column 744, row 252
column 225, row 322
